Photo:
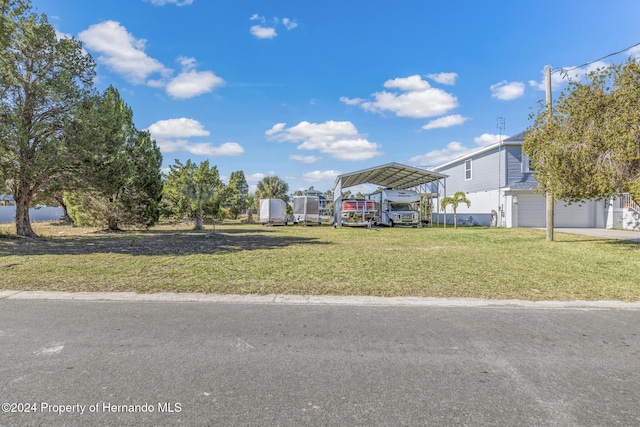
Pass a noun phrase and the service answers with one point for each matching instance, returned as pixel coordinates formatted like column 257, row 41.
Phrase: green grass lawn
column 253, row 259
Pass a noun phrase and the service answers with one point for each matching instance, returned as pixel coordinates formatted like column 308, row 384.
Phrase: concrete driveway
column 604, row 233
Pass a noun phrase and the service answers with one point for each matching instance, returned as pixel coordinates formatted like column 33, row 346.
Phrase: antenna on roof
column 501, row 125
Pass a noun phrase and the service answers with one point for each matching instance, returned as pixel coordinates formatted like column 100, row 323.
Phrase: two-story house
column 501, row 187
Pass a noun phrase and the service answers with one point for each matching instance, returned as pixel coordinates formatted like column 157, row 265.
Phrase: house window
column 526, row 164
column 467, row 170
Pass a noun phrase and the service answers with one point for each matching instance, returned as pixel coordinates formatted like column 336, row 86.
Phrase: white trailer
column 395, row 207
column 273, row 212
column 306, row 210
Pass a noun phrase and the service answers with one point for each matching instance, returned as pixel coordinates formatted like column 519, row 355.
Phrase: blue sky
column 307, row 90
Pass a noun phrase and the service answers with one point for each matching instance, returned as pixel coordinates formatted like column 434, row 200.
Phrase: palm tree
column 459, row 197
column 199, row 193
column 272, row 187
column 249, row 203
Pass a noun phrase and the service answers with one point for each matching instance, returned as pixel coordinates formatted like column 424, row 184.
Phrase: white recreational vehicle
column 395, row 207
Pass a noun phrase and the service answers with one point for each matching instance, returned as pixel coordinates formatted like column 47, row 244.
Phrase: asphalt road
column 217, row 364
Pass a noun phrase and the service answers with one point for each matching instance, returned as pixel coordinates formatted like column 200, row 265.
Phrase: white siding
column 482, row 203
column 484, row 174
column 515, row 174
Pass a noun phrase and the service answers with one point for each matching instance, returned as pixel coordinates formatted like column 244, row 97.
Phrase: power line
column 566, row 71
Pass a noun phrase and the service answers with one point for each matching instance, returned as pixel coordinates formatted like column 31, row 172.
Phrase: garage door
column 532, row 212
column 575, row 215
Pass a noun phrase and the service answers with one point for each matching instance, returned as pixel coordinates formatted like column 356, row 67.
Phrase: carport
column 391, row 175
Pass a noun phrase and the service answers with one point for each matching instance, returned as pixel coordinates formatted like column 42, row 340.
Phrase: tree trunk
column 199, row 220
column 455, row 219
column 23, row 200
column 112, row 223
column 65, row 212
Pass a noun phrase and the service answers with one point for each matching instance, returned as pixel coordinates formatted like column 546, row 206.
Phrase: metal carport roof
column 391, row 175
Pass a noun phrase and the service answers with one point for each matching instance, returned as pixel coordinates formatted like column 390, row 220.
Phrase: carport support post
column 337, row 203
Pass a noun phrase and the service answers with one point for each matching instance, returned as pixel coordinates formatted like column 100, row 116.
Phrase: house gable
column 494, row 167
column 483, row 172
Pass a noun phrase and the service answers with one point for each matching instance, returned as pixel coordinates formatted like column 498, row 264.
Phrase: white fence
column 44, row 214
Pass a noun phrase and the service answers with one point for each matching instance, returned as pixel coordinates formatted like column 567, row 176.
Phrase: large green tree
column 42, row 80
column 133, row 203
column 192, row 192
column 120, row 182
column 236, row 193
column 589, row 145
column 10, row 13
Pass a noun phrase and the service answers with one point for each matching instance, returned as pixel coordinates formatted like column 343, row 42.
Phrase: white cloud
column 507, row 91
column 411, row 83
column 488, row 139
column 263, row 32
column 201, row 148
column 445, row 122
column 417, row 99
column 289, row 24
column 340, row 140
column 351, row 101
column 177, row 128
column 278, row 127
column 124, row 54
column 444, row 78
column 121, row 52
column 267, row 29
column 255, row 177
column 452, row 151
column 60, row 35
column 634, row 52
column 437, row 157
column 320, row 176
column 304, row 159
column 176, row 2
column 190, row 83
column 171, row 135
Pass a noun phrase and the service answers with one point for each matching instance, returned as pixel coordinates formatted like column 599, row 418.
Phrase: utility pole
column 550, row 198
column 501, row 126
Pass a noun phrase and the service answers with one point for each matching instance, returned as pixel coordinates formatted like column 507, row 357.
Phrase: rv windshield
column 401, row 207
